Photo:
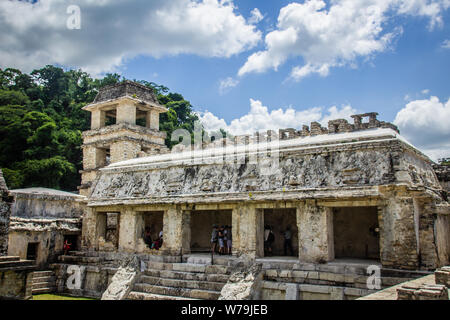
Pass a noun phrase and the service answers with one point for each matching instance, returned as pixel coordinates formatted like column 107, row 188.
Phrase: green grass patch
column 57, row 297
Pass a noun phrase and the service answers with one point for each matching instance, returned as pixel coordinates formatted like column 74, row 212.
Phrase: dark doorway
column 356, row 233
column 72, row 240
column 279, row 220
column 201, row 227
column 32, row 250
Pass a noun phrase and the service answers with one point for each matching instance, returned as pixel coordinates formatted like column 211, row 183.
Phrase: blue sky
column 289, row 62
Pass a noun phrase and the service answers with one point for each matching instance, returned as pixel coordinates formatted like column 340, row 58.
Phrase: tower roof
column 142, row 95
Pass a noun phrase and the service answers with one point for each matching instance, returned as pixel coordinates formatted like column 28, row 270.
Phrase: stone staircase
column 44, row 282
column 180, row 281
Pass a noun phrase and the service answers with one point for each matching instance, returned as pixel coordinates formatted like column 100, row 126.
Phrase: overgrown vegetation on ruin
column 41, row 122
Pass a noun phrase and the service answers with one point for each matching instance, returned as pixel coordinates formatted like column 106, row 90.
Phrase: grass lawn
column 57, row 297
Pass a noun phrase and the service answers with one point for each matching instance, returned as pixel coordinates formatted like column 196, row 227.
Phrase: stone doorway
column 356, row 233
column 201, row 227
column 153, row 222
column 32, row 250
column 279, row 220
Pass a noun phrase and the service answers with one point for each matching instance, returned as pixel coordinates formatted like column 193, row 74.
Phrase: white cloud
column 113, row 31
column 425, row 123
column 256, row 16
column 227, row 84
column 259, row 118
column 425, row 91
column 335, row 35
column 446, row 44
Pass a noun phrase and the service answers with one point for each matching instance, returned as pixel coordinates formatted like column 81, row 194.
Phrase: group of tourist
column 221, row 236
column 269, row 239
column 153, row 244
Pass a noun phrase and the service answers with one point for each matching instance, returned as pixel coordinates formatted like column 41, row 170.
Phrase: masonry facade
column 349, row 191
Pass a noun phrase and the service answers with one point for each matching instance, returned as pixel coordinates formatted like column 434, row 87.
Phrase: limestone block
column 292, row 291
column 244, row 284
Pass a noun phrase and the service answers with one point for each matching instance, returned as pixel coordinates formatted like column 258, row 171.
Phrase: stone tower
column 115, row 134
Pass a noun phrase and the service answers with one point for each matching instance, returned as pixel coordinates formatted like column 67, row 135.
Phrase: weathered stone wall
column 5, row 212
column 43, row 216
column 28, row 205
column 16, row 283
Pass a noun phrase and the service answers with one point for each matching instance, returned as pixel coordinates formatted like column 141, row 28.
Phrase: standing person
column 269, row 238
column 288, row 241
column 147, row 237
column 67, row 247
column 221, row 236
column 229, row 240
column 214, row 238
column 225, row 239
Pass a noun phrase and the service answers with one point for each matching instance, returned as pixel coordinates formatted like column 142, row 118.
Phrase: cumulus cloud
column 425, row 123
column 334, row 35
column 446, row 44
column 227, row 84
column 259, row 118
column 256, row 16
column 34, row 34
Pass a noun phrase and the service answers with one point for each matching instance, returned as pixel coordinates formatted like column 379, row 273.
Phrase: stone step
column 79, row 259
column 43, row 290
column 217, row 269
column 40, row 274
column 178, row 283
column 168, row 274
column 178, row 292
column 9, row 258
column 134, row 295
column 41, row 285
column 47, row 279
column 14, row 264
column 326, row 278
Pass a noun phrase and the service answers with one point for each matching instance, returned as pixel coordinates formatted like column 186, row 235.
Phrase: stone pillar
column 248, row 230
column 176, row 231
column 315, row 233
column 427, row 236
column 152, row 120
column 124, row 150
column 89, row 230
column 126, row 113
column 128, row 230
column 398, row 244
column 98, row 118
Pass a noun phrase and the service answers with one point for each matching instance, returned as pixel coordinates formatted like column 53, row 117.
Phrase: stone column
column 315, row 233
column 89, row 230
column 152, row 120
column 126, row 113
column 98, row 118
column 248, row 230
column 398, row 243
column 128, row 230
column 176, row 231
column 427, row 236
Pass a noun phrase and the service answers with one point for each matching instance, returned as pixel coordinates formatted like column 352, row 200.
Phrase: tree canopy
column 41, row 121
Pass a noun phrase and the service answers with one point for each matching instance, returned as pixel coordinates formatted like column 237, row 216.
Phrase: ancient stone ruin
column 354, row 197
